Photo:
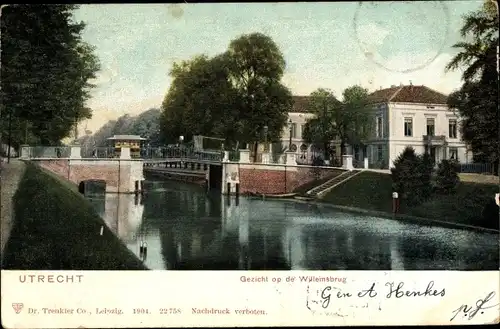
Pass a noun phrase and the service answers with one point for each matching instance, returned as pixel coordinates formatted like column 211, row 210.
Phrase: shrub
column 411, row 176
column 447, row 177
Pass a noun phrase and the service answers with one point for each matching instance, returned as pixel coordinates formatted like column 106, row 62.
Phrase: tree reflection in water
column 189, row 229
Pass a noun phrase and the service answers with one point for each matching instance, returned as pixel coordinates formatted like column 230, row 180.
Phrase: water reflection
column 186, row 228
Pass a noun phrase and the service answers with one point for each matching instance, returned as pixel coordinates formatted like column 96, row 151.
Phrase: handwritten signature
column 470, row 311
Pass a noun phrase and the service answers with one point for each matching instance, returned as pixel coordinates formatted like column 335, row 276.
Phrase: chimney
column 411, row 83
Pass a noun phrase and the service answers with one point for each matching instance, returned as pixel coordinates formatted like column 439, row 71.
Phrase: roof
column 408, row 94
column 127, row 137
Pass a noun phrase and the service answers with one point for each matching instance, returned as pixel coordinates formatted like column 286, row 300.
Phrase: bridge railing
column 180, row 153
column 35, row 152
column 109, row 152
column 98, row 152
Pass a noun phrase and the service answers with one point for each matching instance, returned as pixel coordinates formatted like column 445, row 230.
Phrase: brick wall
column 279, row 179
column 59, row 167
column 109, row 174
column 79, row 172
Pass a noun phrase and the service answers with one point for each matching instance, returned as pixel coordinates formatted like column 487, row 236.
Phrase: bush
column 411, row 176
column 447, row 177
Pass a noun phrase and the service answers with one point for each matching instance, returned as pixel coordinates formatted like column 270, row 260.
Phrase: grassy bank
column 56, row 228
column 373, row 191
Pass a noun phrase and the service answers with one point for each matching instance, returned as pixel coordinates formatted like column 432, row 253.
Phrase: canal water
column 186, row 228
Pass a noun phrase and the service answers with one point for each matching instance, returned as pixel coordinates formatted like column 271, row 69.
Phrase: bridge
column 124, row 173
column 231, row 173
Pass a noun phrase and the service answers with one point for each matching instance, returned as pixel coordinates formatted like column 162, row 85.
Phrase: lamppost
column 181, row 139
column 290, row 134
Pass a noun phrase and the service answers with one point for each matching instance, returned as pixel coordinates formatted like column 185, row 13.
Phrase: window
column 379, row 127
column 294, row 130
column 430, row 127
column 302, row 129
column 380, row 152
column 408, row 127
column 453, row 153
column 452, row 128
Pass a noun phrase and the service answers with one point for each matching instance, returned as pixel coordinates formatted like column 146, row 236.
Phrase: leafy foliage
column 233, row 95
column 322, row 129
column 347, row 121
column 146, row 125
column 447, row 177
column 411, row 177
column 477, row 100
column 46, row 72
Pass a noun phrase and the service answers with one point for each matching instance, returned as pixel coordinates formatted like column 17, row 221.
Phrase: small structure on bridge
column 133, row 142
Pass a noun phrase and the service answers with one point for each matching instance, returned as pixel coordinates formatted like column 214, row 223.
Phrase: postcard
column 249, row 164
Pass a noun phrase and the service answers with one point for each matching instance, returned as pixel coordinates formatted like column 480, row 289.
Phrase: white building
column 297, row 119
column 414, row 116
column 403, row 116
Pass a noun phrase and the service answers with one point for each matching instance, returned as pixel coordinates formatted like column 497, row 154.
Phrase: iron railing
column 476, row 168
column 48, row 152
column 34, row 152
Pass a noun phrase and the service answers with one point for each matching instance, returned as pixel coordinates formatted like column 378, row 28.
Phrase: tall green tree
column 201, row 100
column 354, row 119
column 46, row 71
column 256, row 68
column 477, row 99
column 233, row 95
column 347, row 121
column 321, row 130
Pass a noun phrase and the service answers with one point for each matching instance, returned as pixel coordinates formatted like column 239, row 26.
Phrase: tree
column 256, row 68
column 322, row 129
column 447, row 177
column 147, row 125
column 411, row 177
column 233, row 95
column 477, row 99
column 46, row 69
column 348, row 121
column 200, row 100
column 354, row 120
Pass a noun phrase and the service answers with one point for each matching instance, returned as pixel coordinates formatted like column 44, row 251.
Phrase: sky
column 325, row 45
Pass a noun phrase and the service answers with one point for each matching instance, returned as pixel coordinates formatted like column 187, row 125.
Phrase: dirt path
column 11, row 175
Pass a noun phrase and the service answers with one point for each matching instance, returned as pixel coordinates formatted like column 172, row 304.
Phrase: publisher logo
column 18, row 307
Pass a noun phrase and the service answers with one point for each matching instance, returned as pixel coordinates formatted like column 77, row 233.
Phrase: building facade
column 415, row 116
column 292, row 137
column 404, row 115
